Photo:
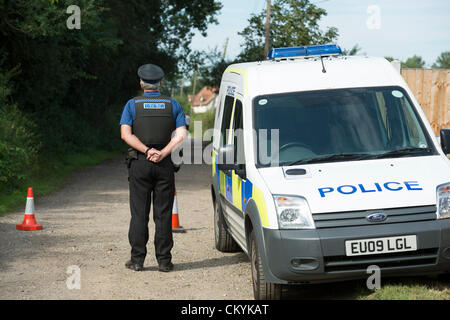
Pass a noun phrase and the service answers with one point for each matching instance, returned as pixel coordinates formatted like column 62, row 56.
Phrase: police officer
column 147, row 124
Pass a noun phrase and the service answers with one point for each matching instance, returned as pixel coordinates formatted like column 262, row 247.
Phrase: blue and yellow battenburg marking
column 232, row 187
column 239, row 191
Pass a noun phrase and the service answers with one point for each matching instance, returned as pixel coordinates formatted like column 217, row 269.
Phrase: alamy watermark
column 266, row 150
column 73, row 281
column 374, row 280
column 74, row 20
column 373, row 21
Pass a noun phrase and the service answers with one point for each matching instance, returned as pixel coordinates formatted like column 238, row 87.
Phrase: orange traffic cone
column 29, row 222
column 175, row 221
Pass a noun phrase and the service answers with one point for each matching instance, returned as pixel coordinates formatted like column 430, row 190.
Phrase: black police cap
column 150, row 73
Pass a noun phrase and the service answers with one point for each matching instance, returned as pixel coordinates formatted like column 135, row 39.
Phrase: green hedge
column 19, row 146
column 62, row 90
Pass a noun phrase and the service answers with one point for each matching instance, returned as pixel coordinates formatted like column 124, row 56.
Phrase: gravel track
column 86, row 225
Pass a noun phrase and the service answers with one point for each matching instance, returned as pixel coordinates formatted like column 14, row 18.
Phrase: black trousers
column 151, row 180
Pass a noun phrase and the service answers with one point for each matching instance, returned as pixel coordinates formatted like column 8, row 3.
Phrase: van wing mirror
column 445, row 140
column 225, row 159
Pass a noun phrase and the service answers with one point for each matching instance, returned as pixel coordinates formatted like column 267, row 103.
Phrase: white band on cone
column 29, row 209
column 175, row 205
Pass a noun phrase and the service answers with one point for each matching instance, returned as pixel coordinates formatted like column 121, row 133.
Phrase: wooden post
column 225, row 49
column 194, row 83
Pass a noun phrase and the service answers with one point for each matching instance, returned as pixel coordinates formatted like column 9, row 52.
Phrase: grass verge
column 420, row 288
column 50, row 175
column 400, row 288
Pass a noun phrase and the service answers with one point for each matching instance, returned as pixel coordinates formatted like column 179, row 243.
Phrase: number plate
column 380, row 245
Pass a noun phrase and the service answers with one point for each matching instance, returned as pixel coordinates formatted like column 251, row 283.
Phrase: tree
column 66, row 87
column 292, row 23
column 212, row 68
column 353, row 51
column 443, row 61
column 94, row 67
column 413, row 62
column 159, row 32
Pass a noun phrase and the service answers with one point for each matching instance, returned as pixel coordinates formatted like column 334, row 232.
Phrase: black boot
column 165, row 267
column 134, row 266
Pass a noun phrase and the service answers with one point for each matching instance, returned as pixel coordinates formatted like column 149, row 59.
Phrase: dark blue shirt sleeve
column 128, row 113
column 178, row 114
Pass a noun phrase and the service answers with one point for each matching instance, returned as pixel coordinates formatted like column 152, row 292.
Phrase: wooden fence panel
column 432, row 91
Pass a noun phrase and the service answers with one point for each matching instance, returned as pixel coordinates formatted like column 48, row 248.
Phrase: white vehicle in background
column 323, row 165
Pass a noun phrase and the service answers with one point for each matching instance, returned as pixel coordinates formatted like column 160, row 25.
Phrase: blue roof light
column 304, row 51
column 287, row 52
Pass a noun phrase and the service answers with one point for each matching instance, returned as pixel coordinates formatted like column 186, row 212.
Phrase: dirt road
column 86, row 225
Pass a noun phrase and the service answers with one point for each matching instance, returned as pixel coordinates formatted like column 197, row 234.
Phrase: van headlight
column 443, row 201
column 293, row 212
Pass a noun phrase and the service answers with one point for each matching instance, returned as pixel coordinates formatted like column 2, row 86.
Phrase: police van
column 324, row 165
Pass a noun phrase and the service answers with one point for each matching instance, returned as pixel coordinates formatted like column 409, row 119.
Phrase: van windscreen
column 337, row 125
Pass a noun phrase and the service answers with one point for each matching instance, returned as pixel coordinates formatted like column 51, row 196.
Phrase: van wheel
column 262, row 290
column 223, row 240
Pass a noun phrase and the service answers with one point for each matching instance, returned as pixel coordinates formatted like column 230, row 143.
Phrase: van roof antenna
column 323, row 67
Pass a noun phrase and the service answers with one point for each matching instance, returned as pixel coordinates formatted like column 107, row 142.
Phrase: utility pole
column 266, row 45
column 225, row 49
column 194, row 83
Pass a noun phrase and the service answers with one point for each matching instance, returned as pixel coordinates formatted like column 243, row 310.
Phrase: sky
column 396, row 28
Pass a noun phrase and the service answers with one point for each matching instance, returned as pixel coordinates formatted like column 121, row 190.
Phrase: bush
column 207, row 120
column 19, row 146
column 184, row 102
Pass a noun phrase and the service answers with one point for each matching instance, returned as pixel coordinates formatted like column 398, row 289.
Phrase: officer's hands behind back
column 154, row 155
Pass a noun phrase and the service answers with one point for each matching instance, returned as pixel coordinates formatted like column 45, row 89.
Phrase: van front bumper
column 313, row 256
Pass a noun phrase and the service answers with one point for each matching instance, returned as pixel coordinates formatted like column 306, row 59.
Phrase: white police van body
column 358, row 177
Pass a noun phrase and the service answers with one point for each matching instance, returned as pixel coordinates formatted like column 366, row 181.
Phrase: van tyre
column 262, row 290
column 223, row 240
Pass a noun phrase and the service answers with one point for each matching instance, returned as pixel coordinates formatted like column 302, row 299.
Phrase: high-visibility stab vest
column 154, row 121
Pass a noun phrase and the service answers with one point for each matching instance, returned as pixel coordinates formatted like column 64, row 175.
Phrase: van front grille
column 421, row 257
column 359, row 218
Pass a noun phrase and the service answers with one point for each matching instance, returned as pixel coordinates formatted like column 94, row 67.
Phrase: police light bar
column 304, row 51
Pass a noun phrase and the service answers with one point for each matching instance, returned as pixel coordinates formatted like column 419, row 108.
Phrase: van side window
column 227, row 112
